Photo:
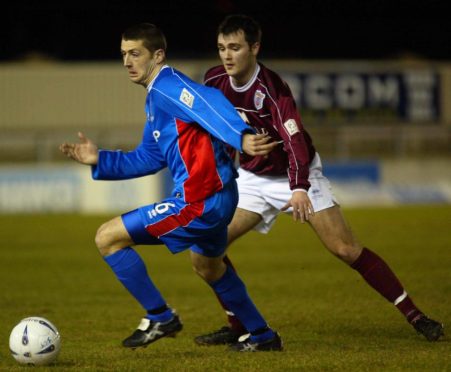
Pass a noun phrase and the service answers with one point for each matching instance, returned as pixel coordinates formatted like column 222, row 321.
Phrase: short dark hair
column 236, row 22
column 152, row 37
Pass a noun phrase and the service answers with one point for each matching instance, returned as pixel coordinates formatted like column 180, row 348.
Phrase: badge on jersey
column 258, row 99
column 291, row 126
column 187, row 98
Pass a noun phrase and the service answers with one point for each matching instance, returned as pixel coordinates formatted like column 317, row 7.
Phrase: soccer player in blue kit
column 187, row 124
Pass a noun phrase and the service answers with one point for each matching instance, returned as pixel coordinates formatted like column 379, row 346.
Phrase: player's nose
column 127, row 61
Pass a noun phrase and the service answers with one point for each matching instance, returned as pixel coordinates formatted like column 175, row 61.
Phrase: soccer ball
column 34, row 340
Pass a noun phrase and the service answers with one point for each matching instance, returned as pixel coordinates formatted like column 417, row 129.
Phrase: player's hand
column 257, row 144
column 302, row 206
column 85, row 152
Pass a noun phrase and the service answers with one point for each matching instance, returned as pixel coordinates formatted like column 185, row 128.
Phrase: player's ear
column 159, row 56
column 255, row 48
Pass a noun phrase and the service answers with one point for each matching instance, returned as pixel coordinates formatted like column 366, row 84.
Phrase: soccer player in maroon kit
column 290, row 177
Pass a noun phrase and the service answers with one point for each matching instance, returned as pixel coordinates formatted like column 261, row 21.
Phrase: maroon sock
column 235, row 324
column 379, row 276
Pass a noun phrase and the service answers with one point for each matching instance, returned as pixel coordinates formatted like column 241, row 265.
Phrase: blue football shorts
column 199, row 226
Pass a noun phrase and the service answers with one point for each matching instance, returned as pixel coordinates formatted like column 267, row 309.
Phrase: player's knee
column 207, row 273
column 347, row 252
column 201, row 271
column 103, row 240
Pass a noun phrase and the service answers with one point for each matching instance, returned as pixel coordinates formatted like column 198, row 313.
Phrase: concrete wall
column 84, row 95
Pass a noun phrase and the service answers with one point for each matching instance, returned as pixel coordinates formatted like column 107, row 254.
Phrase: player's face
column 139, row 61
column 238, row 57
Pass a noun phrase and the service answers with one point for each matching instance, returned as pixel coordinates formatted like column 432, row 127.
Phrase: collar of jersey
column 149, row 87
column 248, row 84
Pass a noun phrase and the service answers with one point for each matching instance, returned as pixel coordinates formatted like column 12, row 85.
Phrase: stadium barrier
column 69, row 189
column 66, row 189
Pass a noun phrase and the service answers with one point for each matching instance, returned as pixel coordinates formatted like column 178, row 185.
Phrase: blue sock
column 267, row 335
column 131, row 272
column 232, row 292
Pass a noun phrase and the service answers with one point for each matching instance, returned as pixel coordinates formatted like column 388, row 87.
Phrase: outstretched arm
column 85, row 152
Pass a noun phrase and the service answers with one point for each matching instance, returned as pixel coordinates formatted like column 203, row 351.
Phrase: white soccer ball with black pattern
column 35, row 340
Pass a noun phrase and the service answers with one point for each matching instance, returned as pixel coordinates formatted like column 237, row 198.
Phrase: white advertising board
column 57, row 188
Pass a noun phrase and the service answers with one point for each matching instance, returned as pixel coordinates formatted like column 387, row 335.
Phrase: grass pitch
column 329, row 318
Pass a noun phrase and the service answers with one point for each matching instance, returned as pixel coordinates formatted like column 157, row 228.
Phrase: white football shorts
column 266, row 195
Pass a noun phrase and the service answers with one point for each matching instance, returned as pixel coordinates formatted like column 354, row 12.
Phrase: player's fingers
column 302, row 212
column 285, row 207
column 311, row 211
column 259, row 136
column 82, row 137
column 308, row 211
column 258, row 139
column 305, row 215
column 269, row 145
column 265, row 149
column 70, row 150
column 269, row 148
column 297, row 215
column 65, row 147
column 263, row 139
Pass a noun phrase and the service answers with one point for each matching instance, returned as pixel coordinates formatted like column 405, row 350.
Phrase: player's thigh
column 112, row 236
column 242, row 222
column 334, row 232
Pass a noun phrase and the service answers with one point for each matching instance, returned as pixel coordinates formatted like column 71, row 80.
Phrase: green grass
column 329, row 318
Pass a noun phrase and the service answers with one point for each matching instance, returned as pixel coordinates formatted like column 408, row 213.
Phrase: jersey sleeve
column 119, row 165
column 289, row 126
column 192, row 102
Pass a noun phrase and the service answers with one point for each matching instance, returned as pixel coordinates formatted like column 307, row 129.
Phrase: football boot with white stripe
column 149, row 331
column 224, row 336
column 245, row 344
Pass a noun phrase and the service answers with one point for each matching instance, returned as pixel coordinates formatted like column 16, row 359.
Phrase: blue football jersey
column 187, row 124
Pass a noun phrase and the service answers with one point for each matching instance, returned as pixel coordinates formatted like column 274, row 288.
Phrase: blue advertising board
column 407, row 96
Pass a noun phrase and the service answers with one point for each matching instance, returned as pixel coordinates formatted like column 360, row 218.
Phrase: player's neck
column 244, row 78
column 153, row 73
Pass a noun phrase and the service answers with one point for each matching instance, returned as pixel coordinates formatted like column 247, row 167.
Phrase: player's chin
column 135, row 79
column 230, row 69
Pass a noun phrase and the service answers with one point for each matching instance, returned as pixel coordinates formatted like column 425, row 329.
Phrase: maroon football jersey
column 266, row 104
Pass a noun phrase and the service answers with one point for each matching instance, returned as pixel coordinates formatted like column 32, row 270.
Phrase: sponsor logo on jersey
column 291, row 126
column 187, row 98
column 258, row 99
